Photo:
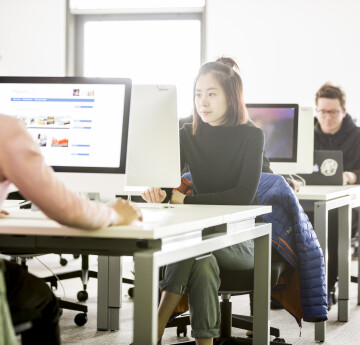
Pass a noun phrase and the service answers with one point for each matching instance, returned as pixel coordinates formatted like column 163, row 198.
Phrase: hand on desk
column 295, row 185
column 127, row 212
column 154, row 195
column 349, row 177
column 157, row 195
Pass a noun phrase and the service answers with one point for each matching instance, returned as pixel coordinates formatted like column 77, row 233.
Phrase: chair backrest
column 245, row 283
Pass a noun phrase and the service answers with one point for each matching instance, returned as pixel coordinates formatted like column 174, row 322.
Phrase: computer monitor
column 283, row 126
column 80, row 124
column 154, row 149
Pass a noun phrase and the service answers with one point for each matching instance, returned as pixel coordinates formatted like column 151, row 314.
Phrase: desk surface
column 176, row 220
column 327, row 192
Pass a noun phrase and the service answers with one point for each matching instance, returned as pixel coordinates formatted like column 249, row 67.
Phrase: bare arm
column 23, row 165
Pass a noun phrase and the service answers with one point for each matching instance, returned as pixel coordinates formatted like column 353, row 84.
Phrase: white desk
column 322, row 199
column 178, row 237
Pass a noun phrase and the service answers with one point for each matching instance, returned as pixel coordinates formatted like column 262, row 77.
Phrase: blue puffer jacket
column 294, row 238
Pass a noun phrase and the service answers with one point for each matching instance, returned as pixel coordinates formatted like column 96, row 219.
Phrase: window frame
column 81, row 19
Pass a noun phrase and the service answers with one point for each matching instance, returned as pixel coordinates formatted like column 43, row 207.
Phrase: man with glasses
column 336, row 130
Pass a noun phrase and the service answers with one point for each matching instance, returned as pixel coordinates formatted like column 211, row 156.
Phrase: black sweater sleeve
column 244, row 192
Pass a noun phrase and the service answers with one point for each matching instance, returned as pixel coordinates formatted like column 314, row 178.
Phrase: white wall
column 286, row 49
column 32, row 37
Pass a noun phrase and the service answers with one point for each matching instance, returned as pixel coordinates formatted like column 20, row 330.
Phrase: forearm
column 38, row 183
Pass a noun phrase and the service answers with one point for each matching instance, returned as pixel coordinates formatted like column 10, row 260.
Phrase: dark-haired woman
column 224, row 153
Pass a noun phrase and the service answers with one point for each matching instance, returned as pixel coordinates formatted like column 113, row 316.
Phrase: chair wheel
column 131, row 292
column 63, row 262
column 181, row 329
column 82, row 296
column 76, row 256
column 279, row 340
column 80, row 319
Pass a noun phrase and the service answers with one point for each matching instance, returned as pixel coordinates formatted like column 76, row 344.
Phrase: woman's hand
column 154, row 195
column 127, row 212
column 177, row 197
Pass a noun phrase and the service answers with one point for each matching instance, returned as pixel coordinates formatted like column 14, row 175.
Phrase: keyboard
column 154, row 206
column 153, row 215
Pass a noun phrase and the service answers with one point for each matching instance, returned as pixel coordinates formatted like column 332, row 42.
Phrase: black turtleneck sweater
column 225, row 163
column 346, row 139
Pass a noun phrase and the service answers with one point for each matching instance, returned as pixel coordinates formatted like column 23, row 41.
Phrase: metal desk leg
column 321, row 229
column 344, row 250
column 109, row 293
column 146, row 296
column 262, row 297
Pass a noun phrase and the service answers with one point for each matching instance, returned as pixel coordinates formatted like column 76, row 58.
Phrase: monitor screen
column 80, row 124
column 280, row 125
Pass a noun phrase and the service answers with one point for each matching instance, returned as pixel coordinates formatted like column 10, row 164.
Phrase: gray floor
column 337, row 332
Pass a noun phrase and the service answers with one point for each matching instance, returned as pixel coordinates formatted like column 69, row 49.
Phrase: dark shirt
column 265, row 165
column 225, row 163
column 346, row 139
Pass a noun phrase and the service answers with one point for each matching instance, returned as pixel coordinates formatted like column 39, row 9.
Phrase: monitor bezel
column 127, row 82
column 295, row 128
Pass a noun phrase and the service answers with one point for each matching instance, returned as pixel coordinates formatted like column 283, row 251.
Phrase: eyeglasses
column 332, row 113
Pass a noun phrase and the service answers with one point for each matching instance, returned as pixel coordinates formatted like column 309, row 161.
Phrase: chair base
column 238, row 321
column 80, row 319
column 246, row 322
column 236, row 341
column 241, row 341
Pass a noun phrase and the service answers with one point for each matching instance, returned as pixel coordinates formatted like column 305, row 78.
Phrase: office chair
column 84, row 274
column 233, row 287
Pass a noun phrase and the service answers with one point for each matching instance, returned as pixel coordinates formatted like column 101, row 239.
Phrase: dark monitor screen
column 280, row 125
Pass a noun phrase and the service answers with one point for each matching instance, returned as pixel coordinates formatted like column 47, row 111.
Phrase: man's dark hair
column 333, row 92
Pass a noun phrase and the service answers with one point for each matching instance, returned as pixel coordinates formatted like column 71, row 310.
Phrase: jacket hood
column 347, row 126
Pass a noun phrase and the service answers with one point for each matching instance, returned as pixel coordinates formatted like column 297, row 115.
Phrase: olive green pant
column 199, row 277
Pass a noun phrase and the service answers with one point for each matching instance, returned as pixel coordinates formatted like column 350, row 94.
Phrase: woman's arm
column 23, row 165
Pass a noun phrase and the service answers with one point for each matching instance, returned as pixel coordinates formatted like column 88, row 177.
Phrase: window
column 150, row 48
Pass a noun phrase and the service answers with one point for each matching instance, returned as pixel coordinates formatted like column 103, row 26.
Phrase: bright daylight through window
column 149, row 48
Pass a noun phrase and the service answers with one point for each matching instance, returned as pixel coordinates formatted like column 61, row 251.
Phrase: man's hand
column 349, row 177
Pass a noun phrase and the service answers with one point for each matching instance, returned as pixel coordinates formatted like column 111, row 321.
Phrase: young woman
column 224, row 153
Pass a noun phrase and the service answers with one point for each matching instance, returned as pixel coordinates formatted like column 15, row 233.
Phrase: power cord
column 53, row 273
